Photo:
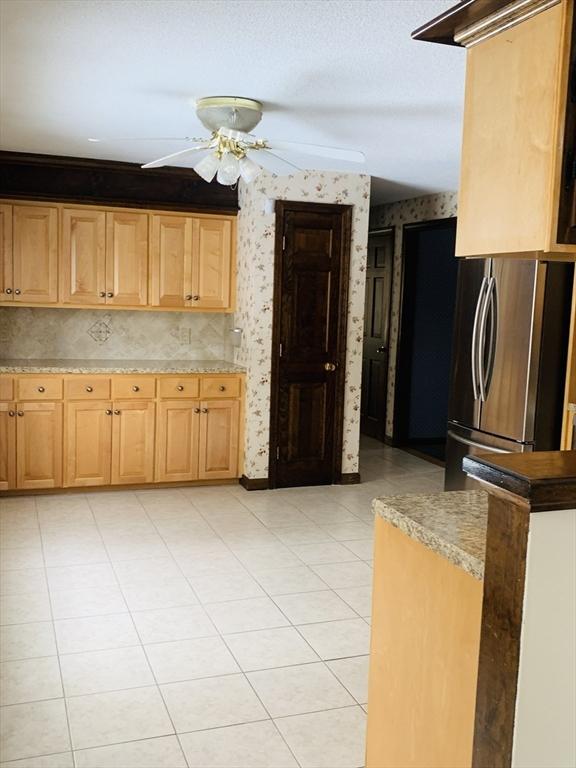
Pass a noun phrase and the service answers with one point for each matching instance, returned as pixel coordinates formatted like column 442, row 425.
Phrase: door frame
column 345, row 211
column 400, row 408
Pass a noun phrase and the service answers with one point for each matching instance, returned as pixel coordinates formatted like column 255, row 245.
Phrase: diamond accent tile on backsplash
column 101, row 330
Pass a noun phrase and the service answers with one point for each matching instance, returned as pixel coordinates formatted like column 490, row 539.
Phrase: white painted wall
column 545, row 726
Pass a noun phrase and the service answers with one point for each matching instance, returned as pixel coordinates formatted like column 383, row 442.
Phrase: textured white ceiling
column 337, row 72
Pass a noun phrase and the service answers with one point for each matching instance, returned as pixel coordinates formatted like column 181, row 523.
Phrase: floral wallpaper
column 440, row 206
column 256, row 230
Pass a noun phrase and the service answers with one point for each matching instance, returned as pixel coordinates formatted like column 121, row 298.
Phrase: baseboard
column 349, row 478
column 392, row 442
column 254, row 483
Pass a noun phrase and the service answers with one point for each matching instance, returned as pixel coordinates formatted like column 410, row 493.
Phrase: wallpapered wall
column 256, row 230
column 97, row 334
column 426, row 208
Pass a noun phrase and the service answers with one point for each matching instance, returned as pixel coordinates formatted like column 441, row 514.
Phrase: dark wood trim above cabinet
column 442, row 28
column 106, row 182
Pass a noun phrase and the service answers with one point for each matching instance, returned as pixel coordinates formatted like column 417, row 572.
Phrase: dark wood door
column 309, row 339
column 375, row 353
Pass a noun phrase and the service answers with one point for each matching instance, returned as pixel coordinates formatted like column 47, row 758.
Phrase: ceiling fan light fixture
column 249, row 170
column 229, row 170
column 207, row 167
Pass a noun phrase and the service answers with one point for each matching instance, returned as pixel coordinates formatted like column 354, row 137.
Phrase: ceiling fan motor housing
column 240, row 114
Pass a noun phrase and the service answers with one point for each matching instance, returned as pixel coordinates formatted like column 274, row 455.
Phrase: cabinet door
column 39, row 445
column 83, row 256
column 212, row 263
column 7, row 446
column 6, row 253
column 177, row 441
column 133, row 442
column 171, row 261
column 35, row 254
column 127, row 258
column 219, row 429
column 88, row 443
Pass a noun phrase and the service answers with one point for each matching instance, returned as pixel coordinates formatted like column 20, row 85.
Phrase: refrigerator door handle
column 474, row 346
column 482, row 374
column 492, row 304
column 474, row 444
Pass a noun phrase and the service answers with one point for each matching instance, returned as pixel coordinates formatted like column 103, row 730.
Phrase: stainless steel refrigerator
column 508, row 359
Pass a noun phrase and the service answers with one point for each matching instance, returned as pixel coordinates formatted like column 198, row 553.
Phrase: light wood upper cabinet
column 219, row 434
column 177, row 440
column 127, row 258
column 6, row 253
column 35, row 254
column 133, row 441
column 88, row 443
column 171, row 261
column 83, row 263
column 7, row 446
column 513, row 169
column 212, row 263
column 39, row 445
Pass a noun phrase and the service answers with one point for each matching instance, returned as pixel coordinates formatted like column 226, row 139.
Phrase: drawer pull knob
column 116, row 413
column 8, row 291
column 108, row 412
column 189, row 297
column 41, row 389
column 89, row 389
column 135, row 388
column 222, row 388
column 11, row 413
column 102, row 294
column 204, row 410
column 196, row 410
column 180, row 388
column 196, row 298
column 110, row 294
column 17, row 291
column 20, row 413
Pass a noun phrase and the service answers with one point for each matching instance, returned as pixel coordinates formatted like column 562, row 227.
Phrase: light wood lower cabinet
column 39, row 445
column 7, row 446
column 88, row 443
column 133, row 442
column 177, row 441
column 219, row 431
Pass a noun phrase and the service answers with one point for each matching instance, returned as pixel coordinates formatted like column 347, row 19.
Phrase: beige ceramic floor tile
column 66, row 577
column 246, row 615
column 358, row 598
column 353, row 674
column 27, row 641
column 286, row 581
column 29, row 680
column 94, row 601
column 338, row 639
column 267, row 648
column 163, row 752
column 166, row 624
column 341, row 575
column 60, row 760
column 21, row 609
column 212, row 588
column 190, row 659
column 95, row 633
column 24, row 581
column 27, row 730
column 99, row 671
column 166, row 594
column 314, row 606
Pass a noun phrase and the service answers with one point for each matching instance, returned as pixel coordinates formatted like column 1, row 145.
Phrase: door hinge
column 283, row 243
column 280, row 350
column 278, row 452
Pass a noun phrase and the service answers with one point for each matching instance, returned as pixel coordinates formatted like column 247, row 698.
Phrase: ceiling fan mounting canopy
column 232, row 112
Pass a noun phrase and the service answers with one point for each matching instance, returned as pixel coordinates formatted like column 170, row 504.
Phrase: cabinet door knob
column 116, row 413
column 41, row 389
column 188, row 297
column 195, row 298
column 11, row 413
column 8, row 291
column 329, row 367
column 108, row 412
column 180, row 388
column 222, row 388
column 135, row 388
column 204, row 410
column 20, row 413
column 89, row 389
column 196, row 410
column 102, row 294
column 17, row 291
column 110, row 294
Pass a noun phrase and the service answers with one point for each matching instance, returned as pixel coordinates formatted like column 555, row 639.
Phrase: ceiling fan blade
column 145, row 138
column 272, row 162
column 163, row 160
column 318, row 150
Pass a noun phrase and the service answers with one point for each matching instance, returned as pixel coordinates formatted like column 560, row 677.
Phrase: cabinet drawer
column 220, row 386
column 87, row 388
column 130, row 387
column 39, row 388
column 176, row 387
column 6, row 388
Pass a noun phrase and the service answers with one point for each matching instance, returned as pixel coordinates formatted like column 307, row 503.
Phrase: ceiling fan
column 233, row 152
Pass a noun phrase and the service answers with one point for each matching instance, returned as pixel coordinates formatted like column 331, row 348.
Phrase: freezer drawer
column 462, row 442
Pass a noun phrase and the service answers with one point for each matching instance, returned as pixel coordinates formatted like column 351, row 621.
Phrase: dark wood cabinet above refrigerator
column 517, row 194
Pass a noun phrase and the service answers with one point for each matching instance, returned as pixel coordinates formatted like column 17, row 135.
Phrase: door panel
column 133, row 441
column 6, row 280
column 177, row 440
column 7, row 446
column 171, row 262
column 219, row 434
column 88, row 443
column 519, row 292
column 39, row 445
column 212, row 263
column 127, row 258
column 376, row 333
column 310, row 329
column 83, row 256
column 35, row 254
column 463, row 406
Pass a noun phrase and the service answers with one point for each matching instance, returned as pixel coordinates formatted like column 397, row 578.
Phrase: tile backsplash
column 38, row 333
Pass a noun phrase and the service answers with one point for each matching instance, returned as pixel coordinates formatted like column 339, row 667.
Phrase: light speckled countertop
column 119, row 366
column 453, row 524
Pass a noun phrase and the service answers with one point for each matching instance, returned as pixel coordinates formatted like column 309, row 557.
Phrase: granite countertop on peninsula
column 452, row 523
column 118, row 366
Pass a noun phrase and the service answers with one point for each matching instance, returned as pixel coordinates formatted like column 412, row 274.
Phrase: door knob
column 195, row 298
column 329, row 367
column 381, row 349
column 108, row 412
column 102, row 294
column 180, row 388
column 135, row 388
column 110, row 294
column 188, row 297
column 89, row 389
column 116, row 413
column 11, row 413
column 196, row 410
column 8, row 291
column 222, row 388
column 20, row 413
column 204, row 410
column 17, row 291
column 41, row 389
